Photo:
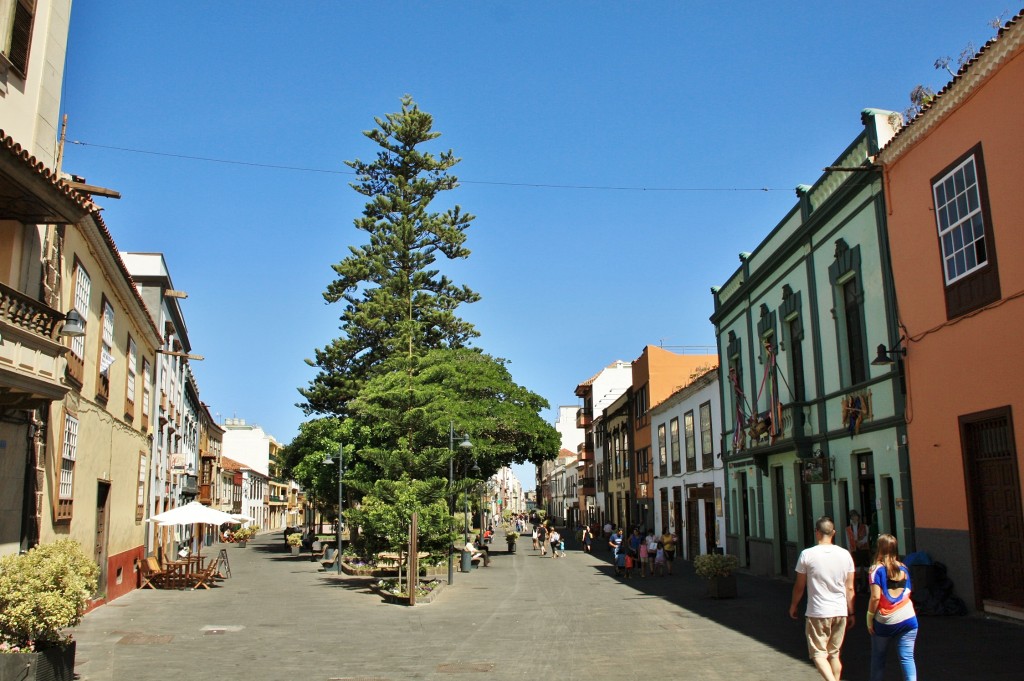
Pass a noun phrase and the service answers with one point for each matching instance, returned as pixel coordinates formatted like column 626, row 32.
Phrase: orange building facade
column 955, row 208
column 657, row 373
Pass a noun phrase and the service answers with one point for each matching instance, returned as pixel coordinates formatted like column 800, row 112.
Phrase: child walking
column 659, row 561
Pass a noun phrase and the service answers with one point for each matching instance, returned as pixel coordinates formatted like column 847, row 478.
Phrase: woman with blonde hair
column 891, row 615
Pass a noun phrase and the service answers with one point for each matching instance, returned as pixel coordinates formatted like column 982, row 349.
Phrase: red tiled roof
column 960, row 74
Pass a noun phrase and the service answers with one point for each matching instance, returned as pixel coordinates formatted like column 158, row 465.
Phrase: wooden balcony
column 583, row 418
column 31, row 357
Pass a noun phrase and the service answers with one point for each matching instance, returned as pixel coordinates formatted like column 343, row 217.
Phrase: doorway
column 100, row 549
column 781, row 523
column 745, row 510
column 994, row 505
column 867, row 494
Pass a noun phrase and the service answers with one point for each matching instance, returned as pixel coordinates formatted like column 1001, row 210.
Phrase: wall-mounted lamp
column 885, row 357
column 74, row 325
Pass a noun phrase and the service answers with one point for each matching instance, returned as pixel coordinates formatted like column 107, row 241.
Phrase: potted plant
column 719, row 570
column 244, row 534
column 42, row 593
column 511, row 537
column 295, row 542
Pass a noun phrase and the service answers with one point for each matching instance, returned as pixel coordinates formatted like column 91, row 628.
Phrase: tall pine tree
column 396, row 303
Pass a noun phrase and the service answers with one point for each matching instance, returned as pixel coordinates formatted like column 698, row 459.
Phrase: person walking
column 891, row 616
column 668, row 542
column 826, row 571
column 542, row 539
column 858, row 544
column 588, row 539
column 645, row 558
column 535, row 545
column 555, row 538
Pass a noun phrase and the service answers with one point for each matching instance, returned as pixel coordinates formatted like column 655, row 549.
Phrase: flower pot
column 50, row 664
column 722, row 587
column 511, row 547
column 240, row 543
column 295, row 550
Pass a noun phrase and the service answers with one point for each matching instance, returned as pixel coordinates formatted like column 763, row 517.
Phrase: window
column 848, row 300
column 691, row 445
column 962, row 216
column 16, row 32
column 662, row 451
column 129, row 388
column 796, row 359
column 106, row 351
column 140, row 499
column 147, row 379
column 66, row 481
column 961, row 227
column 640, row 405
column 674, row 434
column 707, row 446
column 82, row 287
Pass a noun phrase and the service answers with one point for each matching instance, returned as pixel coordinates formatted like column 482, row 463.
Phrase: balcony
column 31, row 359
column 189, row 485
column 583, row 418
column 588, row 486
column 796, row 428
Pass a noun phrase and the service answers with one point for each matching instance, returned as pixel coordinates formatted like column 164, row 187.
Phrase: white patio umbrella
column 192, row 513
column 241, row 518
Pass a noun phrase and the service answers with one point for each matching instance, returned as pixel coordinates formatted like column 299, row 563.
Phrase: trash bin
column 467, row 561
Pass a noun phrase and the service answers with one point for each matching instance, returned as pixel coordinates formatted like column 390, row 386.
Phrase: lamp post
column 465, row 444
column 341, row 472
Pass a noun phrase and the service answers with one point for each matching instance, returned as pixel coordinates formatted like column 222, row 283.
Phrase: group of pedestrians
column 827, row 572
column 649, row 553
column 543, row 536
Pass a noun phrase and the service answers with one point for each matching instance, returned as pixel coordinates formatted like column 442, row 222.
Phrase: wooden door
column 993, row 484
column 100, row 548
column 692, row 528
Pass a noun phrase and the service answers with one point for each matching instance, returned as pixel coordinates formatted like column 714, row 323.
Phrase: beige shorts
column 825, row 636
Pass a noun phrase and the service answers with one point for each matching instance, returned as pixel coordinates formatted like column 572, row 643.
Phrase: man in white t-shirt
column 826, row 571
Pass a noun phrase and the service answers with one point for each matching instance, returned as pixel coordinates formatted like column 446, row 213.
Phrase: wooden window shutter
column 21, row 35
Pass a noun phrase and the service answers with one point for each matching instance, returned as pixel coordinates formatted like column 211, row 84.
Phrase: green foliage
column 708, row 565
column 386, row 513
column 42, row 593
column 395, row 302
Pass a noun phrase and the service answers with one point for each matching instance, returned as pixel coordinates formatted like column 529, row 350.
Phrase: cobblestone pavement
column 524, row 617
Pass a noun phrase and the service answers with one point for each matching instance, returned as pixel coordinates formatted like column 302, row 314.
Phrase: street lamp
column 341, row 472
column 465, row 444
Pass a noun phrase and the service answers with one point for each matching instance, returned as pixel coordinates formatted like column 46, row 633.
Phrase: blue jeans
column 905, row 650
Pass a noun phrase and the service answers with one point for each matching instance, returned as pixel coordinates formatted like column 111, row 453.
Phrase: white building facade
column 689, row 478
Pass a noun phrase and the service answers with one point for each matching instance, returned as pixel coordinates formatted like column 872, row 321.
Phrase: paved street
column 521, row 618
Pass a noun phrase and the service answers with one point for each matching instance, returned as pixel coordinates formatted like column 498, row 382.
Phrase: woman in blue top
column 891, row 615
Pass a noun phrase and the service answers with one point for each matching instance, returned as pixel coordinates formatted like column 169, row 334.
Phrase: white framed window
column 961, row 223
column 107, row 346
column 83, row 287
column 132, row 359
column 69, row 451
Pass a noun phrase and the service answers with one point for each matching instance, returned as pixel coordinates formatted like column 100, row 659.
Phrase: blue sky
column 615, row 154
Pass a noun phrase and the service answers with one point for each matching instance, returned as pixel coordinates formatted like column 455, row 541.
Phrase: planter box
column 722, row 587
column 52, row 664
column 404, row 600
column 240, row 543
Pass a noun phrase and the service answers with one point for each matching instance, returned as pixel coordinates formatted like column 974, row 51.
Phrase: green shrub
column 43, row 592
column 710, row 565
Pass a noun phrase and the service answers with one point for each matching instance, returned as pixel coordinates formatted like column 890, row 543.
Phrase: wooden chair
column 207, row 576
column 151, row 574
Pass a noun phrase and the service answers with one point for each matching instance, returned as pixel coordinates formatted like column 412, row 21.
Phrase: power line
column 538, row 185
